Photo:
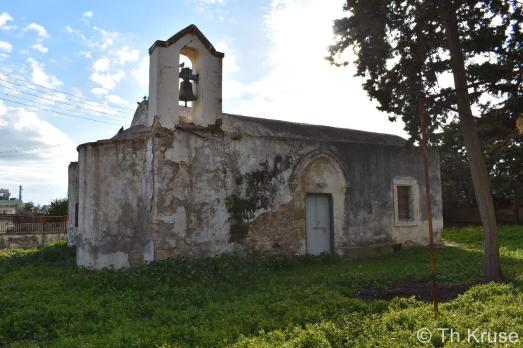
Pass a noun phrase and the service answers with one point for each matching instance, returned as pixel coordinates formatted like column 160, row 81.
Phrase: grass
column 45, row 300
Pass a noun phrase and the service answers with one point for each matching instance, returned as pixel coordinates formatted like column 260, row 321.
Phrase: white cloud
column 107, row 80
column 230, row 65
column 203, row 5
column 39, row 47
column 77, row 92
column 101, row 64
column 87, row 14
column 99, row 90
column 107, row 38
column 86, row 54
column 102, row 75
column 42, row 154
column 6, row 46
column 141, row 72
column 209, row 1
column 213, row 10
column 125, row 54
column 101, row 108
column 300, row 85
column 4, row 19
column 24, row 129
column 114, row 99
column 39, row 76
column 59, row 96
column 232, row 88
column 39, row 29
column 74, row 31
column 96, row 38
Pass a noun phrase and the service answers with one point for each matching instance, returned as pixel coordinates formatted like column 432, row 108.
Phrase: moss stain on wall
column 254, row 191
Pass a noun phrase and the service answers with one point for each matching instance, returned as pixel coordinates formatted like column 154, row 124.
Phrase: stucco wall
column 111, row 201
column 73, row 204
column 29, row 240
column 201, row 192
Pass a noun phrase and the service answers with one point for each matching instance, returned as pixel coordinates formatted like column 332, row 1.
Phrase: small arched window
column 76, row 215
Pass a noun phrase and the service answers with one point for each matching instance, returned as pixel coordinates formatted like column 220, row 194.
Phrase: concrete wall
column 198, row 192
column 111, row 200
column 459, row 214
column 73, row 206
column 29, row 240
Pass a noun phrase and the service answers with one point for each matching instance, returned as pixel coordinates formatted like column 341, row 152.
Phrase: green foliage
column 31, row 209
column 240, row 134
column 480, row 308
column 401, row 52
column 456, row 182
column 504, row 158
column 45, row 300
column 58, row 207
column 406, row 49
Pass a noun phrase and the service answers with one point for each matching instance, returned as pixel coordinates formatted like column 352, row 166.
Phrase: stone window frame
column 413, row 201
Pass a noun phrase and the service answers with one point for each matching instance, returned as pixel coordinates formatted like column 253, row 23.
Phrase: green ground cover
column 45, row 300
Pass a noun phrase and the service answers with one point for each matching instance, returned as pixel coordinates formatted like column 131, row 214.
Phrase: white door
column 318, row 224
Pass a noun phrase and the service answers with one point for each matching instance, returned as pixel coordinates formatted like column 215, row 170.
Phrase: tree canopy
column 58, row 207
column 504, row 159
column 401, row 52
column 457, row 57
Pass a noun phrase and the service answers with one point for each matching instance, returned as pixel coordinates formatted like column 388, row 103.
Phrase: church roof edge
column 191, row 29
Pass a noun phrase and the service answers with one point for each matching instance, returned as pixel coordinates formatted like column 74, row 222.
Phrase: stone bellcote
column 164, row 81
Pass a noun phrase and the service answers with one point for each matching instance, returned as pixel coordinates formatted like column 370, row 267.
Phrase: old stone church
column 194, row 181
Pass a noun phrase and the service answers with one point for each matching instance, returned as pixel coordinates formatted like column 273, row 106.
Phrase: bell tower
column 171, row 84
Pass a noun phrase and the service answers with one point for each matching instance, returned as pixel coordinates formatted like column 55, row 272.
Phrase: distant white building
column 8, row 205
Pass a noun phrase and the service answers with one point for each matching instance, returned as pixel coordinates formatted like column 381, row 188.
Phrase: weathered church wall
column 370, row 163
column 112, row 209
column 231, row 193
column 371, row 170
column 188, row 214
column 187, row 193
column 197, row 182
column 72, row 206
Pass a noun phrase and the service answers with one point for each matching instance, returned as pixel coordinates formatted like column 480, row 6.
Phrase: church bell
column 186, row 88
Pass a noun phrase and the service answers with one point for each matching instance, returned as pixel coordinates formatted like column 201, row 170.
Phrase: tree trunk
column 516, row 205
column 480, row 177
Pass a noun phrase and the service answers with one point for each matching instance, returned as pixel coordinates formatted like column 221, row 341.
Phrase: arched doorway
column 319, row 185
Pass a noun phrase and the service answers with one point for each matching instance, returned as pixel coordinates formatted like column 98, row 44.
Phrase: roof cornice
column 191, row 29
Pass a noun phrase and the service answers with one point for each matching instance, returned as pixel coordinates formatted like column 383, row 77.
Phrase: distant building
column 8, row 205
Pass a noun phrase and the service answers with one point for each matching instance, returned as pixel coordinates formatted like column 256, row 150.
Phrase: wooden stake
column 424, row 146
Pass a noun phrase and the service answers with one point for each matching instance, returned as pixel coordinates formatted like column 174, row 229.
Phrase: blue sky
column 89, row 59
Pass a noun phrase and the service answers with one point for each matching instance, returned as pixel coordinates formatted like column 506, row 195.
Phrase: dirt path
column 421, row 291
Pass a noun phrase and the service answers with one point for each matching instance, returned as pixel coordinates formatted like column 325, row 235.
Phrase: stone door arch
column 321, row 173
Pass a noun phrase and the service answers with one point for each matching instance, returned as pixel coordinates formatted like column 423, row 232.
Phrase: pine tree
column 457, row 54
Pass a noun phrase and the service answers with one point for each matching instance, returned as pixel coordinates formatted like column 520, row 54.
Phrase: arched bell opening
column 188, row 77
column 201, row 88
